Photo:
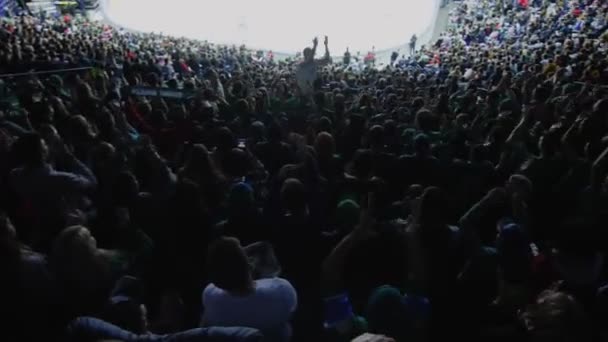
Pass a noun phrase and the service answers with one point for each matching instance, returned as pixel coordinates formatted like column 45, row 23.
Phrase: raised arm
column 315, row 43
column 326, row 58
column 333, row 265
column 518, row 135
column 598, row 171
column 567, row 140
column 469, row 223
column 77, row 176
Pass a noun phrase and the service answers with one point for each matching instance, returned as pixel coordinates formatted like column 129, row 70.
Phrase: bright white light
column 281, row 25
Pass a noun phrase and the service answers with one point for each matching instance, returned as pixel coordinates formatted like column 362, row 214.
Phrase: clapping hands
column 315, row 41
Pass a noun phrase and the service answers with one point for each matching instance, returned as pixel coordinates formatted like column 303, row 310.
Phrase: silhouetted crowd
column 155, row 188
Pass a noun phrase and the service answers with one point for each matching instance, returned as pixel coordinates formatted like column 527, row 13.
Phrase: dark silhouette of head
column 228, row 267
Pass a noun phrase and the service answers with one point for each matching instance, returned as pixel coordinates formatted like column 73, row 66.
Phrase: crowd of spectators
column 169, row 189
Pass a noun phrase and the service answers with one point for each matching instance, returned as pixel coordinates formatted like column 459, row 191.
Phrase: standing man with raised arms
column 306, row 73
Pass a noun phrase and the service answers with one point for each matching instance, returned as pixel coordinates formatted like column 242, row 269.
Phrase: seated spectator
column 244, row 221
column 49, row 196
column 234, row 298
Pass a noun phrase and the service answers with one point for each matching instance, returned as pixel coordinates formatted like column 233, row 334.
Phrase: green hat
column 395, row 315
column 347, row 213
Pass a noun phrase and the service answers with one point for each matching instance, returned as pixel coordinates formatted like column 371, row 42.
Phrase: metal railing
column 44, row 72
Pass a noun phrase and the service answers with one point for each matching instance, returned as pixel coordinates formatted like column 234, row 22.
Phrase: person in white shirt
column 235, row 299
column 306, row 72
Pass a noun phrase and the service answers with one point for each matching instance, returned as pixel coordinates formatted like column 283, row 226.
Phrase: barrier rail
column 44, row 72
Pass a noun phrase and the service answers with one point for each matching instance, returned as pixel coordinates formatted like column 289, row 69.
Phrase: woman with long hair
column 234, row 298
column 201, row 170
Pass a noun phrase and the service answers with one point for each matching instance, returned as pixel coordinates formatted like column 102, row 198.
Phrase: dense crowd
column 158, row 188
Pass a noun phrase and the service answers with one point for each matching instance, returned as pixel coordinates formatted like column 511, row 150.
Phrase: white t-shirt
column 268, row 309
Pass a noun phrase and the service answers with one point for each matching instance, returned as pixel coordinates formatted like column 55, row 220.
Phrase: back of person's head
column 104, row 156
column 549, row 143
column 75, row 261
column 347, row 215
column 275, row 132
column 362, row 164
column 106, row 126
column 325, row 124
column 187, row 195
column 258, row 131
column 225, row 139
column 356, row 123
column 325, row 145
column 73, row 243
column 237, row 88
column 236, row 163
column 228, row 267
column 198, row 159
column 340, row 103
column 31, row 149
column 376, row 136
column 398, row 316
column 127, row 314
column 79, row 128
column 308, row 54
column 556, row 316
column 514, row 253
column 240, row 198
column 520, row 184
column 478, row 153
column 600, row 108
column 432, row 212
column 319, row 98
column 542, row 93
column 158, row 118
column 85, row 92
column 422, row 145
column 126, row 188
column 600, row 309
column 242, row 107
column 125, row 306
column 293, row 195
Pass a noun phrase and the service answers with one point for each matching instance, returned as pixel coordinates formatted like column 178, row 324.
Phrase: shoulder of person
column 210, row 292
column 277, row 288
column 274, row 283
